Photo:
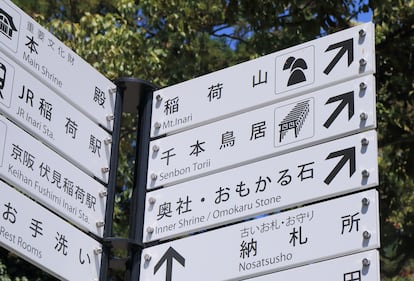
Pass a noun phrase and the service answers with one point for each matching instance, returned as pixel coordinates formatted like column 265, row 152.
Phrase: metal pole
column 110, row 199
column 142, row 92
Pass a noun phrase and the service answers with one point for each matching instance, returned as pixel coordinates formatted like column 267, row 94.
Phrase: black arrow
column 169, row 255
column 346, row 46
column 347, row 155
column 346, row 99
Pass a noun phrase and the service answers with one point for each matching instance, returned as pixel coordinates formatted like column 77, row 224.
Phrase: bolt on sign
column 50, row 179
column 56, row 65
column 297, row 237
column 306, row 120
column 307, row 67
column 45, row 240
column 311, row 174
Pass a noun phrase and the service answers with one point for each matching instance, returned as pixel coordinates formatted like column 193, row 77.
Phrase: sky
column 365, row 17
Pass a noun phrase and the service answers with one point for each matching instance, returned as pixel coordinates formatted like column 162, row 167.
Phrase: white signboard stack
column 307, row 67
column 232, row 150
column 276, row 183
column 264, row 132
column 56, row 119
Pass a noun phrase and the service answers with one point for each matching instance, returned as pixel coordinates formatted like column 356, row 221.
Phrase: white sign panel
column 277, row 183
column 45, row 240
column 363, row 266
column 303, row 68
column 317, row 232
column 43, row 113
column 279, row 128
column 55, row 64
column 50, row 179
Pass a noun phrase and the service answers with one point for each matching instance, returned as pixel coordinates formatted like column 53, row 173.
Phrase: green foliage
column 169, row 41
column 395, row 41
column 14, row 269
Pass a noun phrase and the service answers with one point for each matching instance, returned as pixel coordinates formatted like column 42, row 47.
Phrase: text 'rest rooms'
column 20, row 242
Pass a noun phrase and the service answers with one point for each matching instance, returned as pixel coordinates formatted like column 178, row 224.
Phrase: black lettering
column 29, row 95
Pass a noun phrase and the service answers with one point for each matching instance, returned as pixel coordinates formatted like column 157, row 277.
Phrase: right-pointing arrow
column 347, row 155
column 346, row 46
column 169, row 256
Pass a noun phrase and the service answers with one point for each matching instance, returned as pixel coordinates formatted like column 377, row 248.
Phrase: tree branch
column 231, row 37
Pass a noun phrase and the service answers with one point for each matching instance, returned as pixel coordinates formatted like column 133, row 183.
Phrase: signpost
column 311, row 174
column 363, row 266
column 56, row 65
column 49, row 117
column 307, row 67
column 279, row 128
column 281, row 241
column 45, row 240
column 50, row 179
column 249, row 154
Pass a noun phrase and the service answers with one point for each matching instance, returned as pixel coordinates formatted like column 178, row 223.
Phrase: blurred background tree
column 170, row 41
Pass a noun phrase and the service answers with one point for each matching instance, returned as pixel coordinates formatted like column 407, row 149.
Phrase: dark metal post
column 142, row 92
column 134, row 96
column 113, row 167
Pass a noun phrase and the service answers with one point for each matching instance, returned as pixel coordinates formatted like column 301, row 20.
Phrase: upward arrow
column 346, row 99
column 169, row 255
column 346, row 46
column 347, row 155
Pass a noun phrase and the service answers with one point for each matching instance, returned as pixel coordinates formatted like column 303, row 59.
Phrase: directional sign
column 168, row 258
column 45, row 240
column 279, row 128
column 50, row 179
column 314, row 233
column 363, row 266
column 299, row 177
column 303, row 68
column 55, row 64
column 43, row 113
